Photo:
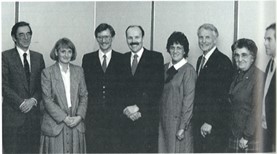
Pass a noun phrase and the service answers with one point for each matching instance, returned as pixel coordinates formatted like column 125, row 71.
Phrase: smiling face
column 23, row 37
column 64, row 55
column 104, row 39
column 243, row 58
column 176, row 52
column 134, row 39
column 206, row 40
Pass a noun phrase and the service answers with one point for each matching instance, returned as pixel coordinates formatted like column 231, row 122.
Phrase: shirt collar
column 68, row 70
column 21, row 52
column 208, row 55
column 108, row 54
column 179, row 64
column 139, row 53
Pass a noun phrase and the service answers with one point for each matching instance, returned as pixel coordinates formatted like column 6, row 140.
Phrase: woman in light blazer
column 175, row 129
column 65, row 102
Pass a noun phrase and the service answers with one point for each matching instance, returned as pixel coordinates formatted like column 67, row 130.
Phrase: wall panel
column 51, row 21
column 187, row 16
column 7, row 21
column 122, row 14
column 254, row 17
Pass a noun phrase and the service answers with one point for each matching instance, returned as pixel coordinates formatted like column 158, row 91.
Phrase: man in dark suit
column 145, row 78
column 269, row 101
column 211, row 106
column 21, row 92
column 104, row 79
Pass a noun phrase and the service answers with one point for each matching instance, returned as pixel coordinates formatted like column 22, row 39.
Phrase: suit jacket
column 15, row 87
column 144, row 90
column 211, row 93
column 270, row 106
column 105, row 90
column 55, row 102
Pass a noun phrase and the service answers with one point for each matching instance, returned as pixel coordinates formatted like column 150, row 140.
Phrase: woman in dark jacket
column 245, row 98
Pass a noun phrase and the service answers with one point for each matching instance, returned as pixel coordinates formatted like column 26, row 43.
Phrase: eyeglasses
column 243, row 55
column 105, row 37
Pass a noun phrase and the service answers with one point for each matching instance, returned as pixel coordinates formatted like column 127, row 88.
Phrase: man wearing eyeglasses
column 21, row 93
column 104, row 79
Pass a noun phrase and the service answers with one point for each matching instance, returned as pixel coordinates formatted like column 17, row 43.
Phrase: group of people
column 133, row 102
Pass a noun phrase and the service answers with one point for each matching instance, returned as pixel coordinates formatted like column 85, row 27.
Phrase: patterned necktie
column 134, row 64
column 201, row 64
column 104, row 64
column 26, row 68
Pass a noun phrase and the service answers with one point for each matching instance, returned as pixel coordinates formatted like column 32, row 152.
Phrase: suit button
column 104, row 87
column 104, row 97
column 104, row 92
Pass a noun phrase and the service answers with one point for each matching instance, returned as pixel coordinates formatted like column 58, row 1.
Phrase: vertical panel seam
column 236, row 20
column 152, row 25
column 16, row 12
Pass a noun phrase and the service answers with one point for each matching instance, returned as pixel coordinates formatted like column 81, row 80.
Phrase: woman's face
column 243, row 58
column 64, row 55
column 176, row 52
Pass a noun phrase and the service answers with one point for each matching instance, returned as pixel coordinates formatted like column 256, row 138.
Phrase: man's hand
column 135, row 116
column 205, row 129
column 180, row 134
column 27, row 105
column 129, row 110
column 243, row 143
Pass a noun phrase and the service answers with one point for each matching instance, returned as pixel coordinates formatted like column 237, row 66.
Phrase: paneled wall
column 77, row 21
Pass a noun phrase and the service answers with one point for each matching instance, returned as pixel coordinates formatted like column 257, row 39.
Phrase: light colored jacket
column 54, row 98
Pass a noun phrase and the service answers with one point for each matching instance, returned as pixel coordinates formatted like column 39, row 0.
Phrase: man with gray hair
column 211, row 106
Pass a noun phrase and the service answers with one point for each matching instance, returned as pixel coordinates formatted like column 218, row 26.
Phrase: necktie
column 201, row 64
column 26, row 68
column 134, row 64
column 104, row 64
column 272, row 65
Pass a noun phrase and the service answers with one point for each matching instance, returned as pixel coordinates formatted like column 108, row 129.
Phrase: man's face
column 23, row 37
column 105, row 40
column 206, row 39
column 270, row 42
column 134, row 39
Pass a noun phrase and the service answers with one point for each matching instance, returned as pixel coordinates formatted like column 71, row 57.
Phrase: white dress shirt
column 66, row 82
column 108, row 56
column 21, row 52
column 139, row 53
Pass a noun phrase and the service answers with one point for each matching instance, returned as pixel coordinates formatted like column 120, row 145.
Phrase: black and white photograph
column 187, row 76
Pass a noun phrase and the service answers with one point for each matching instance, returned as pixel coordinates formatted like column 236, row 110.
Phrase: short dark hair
column 272, row 26
column 246, row 43
column 132, row 26
column 178, row 38
column 20, row 24
column 102, row 27
column 63, row 43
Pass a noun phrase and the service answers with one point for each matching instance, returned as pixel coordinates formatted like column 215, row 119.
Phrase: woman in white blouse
column 65, row 102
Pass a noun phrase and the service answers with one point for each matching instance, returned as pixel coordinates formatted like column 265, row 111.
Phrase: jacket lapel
column 19, row 66
column 60, row 86
column 73, row 87
column 34, row 68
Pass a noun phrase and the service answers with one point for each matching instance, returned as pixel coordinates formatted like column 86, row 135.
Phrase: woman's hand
column 180, row 134
column 75, row 121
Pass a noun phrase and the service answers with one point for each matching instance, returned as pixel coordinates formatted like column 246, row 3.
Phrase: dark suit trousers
column 23, row 139
column 216, row 142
